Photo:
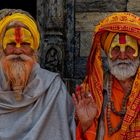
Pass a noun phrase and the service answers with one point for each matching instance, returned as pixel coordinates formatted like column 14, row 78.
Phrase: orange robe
column 90, row 134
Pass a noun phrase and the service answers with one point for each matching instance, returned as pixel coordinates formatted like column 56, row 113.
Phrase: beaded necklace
column 111, row 108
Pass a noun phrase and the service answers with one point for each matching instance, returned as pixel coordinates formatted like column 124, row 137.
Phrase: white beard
column 123, row 69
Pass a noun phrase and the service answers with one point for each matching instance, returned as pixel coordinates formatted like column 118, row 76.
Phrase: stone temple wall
column 87, row 15
column 67, row 31
column 90, row 12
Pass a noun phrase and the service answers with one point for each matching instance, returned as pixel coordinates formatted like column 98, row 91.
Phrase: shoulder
column 53, row 77
column 44, row 78
column 46, row 75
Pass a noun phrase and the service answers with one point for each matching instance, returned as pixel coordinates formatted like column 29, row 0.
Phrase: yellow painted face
column 122, row 42
column 19, row 36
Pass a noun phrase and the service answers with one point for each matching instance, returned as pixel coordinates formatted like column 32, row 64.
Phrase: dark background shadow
column 27, row 5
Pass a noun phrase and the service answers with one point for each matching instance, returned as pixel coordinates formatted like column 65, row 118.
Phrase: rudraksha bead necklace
column 111, row 107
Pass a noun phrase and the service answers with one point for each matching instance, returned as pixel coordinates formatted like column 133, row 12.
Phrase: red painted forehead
column 18, row 34
column 122, row 38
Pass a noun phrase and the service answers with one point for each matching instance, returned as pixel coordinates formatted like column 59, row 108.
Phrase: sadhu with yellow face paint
column 19, row 45
column 34, row 103
column 108, row 103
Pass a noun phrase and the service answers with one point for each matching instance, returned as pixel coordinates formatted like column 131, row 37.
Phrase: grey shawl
column 46, row 111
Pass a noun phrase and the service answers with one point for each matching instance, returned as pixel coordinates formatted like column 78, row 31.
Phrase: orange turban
column 123, row 22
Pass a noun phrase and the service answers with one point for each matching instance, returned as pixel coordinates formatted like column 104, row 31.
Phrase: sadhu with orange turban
column 108, row 103
column 33, row 101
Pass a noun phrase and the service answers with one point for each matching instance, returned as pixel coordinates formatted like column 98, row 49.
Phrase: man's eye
column 130, row 49
column 11, row 44
column 25, row 44
column 116, row 49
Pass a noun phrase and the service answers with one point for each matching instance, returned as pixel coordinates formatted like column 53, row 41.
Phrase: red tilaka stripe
column 122, row 38
column 18, row 34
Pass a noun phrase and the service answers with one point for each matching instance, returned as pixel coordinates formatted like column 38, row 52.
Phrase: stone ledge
column 133, row 5
column 88, row 20
column 101, row 5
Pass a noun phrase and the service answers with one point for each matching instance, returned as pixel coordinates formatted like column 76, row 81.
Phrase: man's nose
column 122, row 55
column 18, row 51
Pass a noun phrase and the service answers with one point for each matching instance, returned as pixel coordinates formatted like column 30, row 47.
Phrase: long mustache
column 122, row 62
column 20, row 57
column 123, row 69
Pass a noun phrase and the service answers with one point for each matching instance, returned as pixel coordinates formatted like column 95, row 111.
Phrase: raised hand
column 86, row 108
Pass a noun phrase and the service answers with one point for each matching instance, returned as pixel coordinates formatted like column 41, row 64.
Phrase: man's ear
column 36, row 56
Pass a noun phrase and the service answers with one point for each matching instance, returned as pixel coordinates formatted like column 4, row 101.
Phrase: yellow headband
column 26, row 20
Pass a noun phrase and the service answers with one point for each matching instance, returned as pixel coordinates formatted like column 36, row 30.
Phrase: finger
column 78, row 88
column 82, row 92
column 88, row 95
column 78, row 92
column 92, row 99
column 74, row 99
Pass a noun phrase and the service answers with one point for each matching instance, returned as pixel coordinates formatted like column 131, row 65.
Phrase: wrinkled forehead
column 123, row 39
column 17, row 31
column 16, row 24
column 121, row 42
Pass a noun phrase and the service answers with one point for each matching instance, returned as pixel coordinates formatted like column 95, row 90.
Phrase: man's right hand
column 86, row 108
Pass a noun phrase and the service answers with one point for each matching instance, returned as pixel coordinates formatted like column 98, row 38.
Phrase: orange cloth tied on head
column 24, row 19
column 106, row 40
column 123, row 22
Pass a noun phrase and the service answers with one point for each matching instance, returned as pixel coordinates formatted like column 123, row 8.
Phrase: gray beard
column 123, row 69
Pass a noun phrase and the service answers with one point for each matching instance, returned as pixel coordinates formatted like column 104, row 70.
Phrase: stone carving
column 53, row 59
column 54, row 13
column 51, row 20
